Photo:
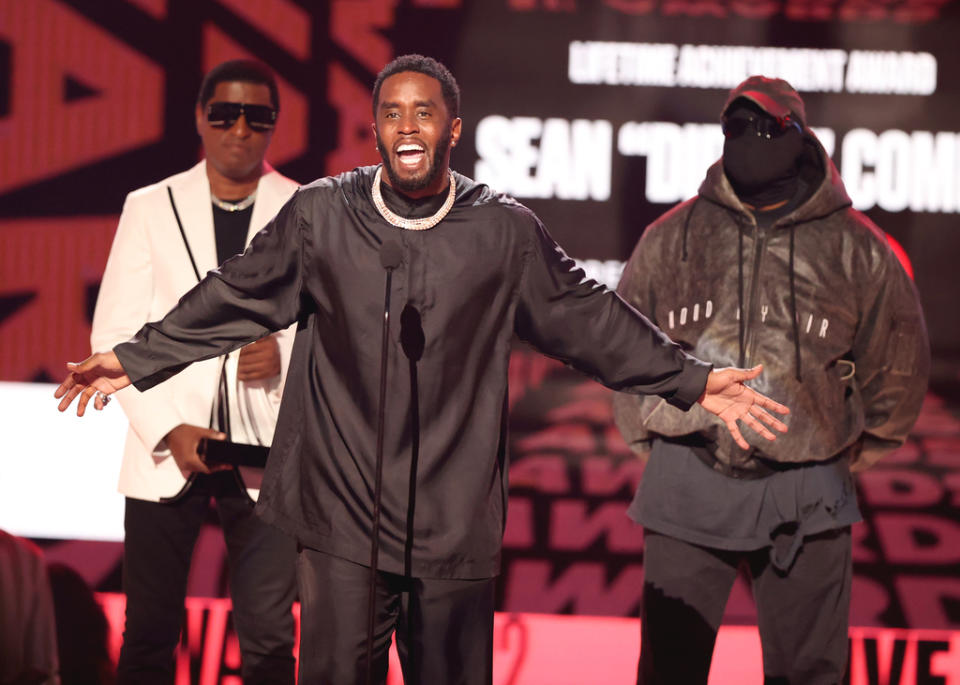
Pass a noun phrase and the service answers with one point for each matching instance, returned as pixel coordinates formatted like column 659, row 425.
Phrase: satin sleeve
column 582, row 323
column 246, row 298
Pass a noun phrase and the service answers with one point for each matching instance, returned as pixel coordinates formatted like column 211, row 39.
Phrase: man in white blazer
column 170, row 234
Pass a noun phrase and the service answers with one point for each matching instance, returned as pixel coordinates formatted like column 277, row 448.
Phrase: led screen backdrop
column 600, row 116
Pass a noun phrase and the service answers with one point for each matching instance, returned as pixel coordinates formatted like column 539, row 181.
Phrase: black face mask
column 761, row 157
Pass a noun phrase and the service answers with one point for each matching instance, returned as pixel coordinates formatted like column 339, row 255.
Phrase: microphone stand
column 390, row 257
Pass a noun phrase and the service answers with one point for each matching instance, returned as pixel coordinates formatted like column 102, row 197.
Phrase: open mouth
column 411, row 154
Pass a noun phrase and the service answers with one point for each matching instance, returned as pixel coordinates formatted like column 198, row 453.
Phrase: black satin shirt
column 463, row 289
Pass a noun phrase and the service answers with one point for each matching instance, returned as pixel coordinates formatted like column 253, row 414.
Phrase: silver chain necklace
column 237, row 206
column 421, row 224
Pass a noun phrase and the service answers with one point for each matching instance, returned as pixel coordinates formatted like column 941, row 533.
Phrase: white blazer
column 147, row 272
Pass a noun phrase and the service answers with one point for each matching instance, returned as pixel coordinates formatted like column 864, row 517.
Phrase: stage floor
column 539, row 649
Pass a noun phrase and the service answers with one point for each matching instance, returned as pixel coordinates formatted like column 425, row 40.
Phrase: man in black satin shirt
column 473, row 268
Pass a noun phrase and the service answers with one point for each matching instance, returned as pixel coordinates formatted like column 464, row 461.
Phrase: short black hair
column 422, row 65
column 243, row 70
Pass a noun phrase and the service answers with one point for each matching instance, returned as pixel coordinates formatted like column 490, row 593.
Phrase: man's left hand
column 259, row 360
column 728, row 397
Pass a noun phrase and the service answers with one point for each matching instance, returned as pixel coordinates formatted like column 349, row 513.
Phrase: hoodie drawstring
column 741, row 315
column 793, row 306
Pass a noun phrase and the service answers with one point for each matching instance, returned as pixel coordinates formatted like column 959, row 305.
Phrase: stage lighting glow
column 59, row 471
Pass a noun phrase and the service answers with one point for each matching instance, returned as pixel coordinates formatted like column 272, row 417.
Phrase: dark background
column 97, row 97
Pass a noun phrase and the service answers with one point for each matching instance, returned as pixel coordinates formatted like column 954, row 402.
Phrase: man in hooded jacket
column 769, row 261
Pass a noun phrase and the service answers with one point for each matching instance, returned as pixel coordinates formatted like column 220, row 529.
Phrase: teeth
column 410, row 148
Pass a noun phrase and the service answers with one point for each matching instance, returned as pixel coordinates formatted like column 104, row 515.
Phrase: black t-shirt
column 230, row 229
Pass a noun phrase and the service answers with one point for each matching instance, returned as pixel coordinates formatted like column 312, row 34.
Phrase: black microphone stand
column 390, row 257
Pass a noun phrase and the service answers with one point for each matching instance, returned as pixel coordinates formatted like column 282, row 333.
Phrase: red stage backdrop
column 600, row 115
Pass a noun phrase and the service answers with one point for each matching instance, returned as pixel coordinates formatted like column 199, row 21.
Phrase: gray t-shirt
column 682, row 496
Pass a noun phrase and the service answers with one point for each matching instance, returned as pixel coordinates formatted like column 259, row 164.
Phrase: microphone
column 391, row 254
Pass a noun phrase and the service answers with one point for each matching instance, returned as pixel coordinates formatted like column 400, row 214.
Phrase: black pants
column 444, row 627
column 156, row 560
column 803, row 614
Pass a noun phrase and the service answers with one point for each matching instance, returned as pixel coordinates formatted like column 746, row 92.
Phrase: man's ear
column 199, row 117
column 455, row 127
column 373, row 127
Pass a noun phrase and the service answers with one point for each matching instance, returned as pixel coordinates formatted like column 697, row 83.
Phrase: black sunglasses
column 764, row 127
column 225, row 115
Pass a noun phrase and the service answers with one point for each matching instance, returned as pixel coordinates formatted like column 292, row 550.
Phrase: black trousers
column 803, row 614
column 156, row 561
column 444, row 627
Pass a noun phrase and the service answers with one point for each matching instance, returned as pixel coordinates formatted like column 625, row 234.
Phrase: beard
column 416, row 183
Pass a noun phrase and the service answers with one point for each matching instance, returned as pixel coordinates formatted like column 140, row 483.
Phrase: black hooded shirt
column 463, row 289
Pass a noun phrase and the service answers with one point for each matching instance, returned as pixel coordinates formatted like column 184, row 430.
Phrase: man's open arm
column 248, row 297
column 593, row 330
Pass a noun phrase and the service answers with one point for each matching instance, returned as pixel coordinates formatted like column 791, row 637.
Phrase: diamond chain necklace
column 421, row 224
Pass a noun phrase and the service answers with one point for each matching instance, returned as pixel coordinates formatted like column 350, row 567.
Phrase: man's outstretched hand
column 727, row 397
column 99, row 374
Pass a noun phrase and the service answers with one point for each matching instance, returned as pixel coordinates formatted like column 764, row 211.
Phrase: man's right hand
column 99, row 374
column 731, row 400
column 184, row 441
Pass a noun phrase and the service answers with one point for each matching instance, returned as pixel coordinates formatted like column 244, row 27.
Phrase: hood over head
column 825, row 190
